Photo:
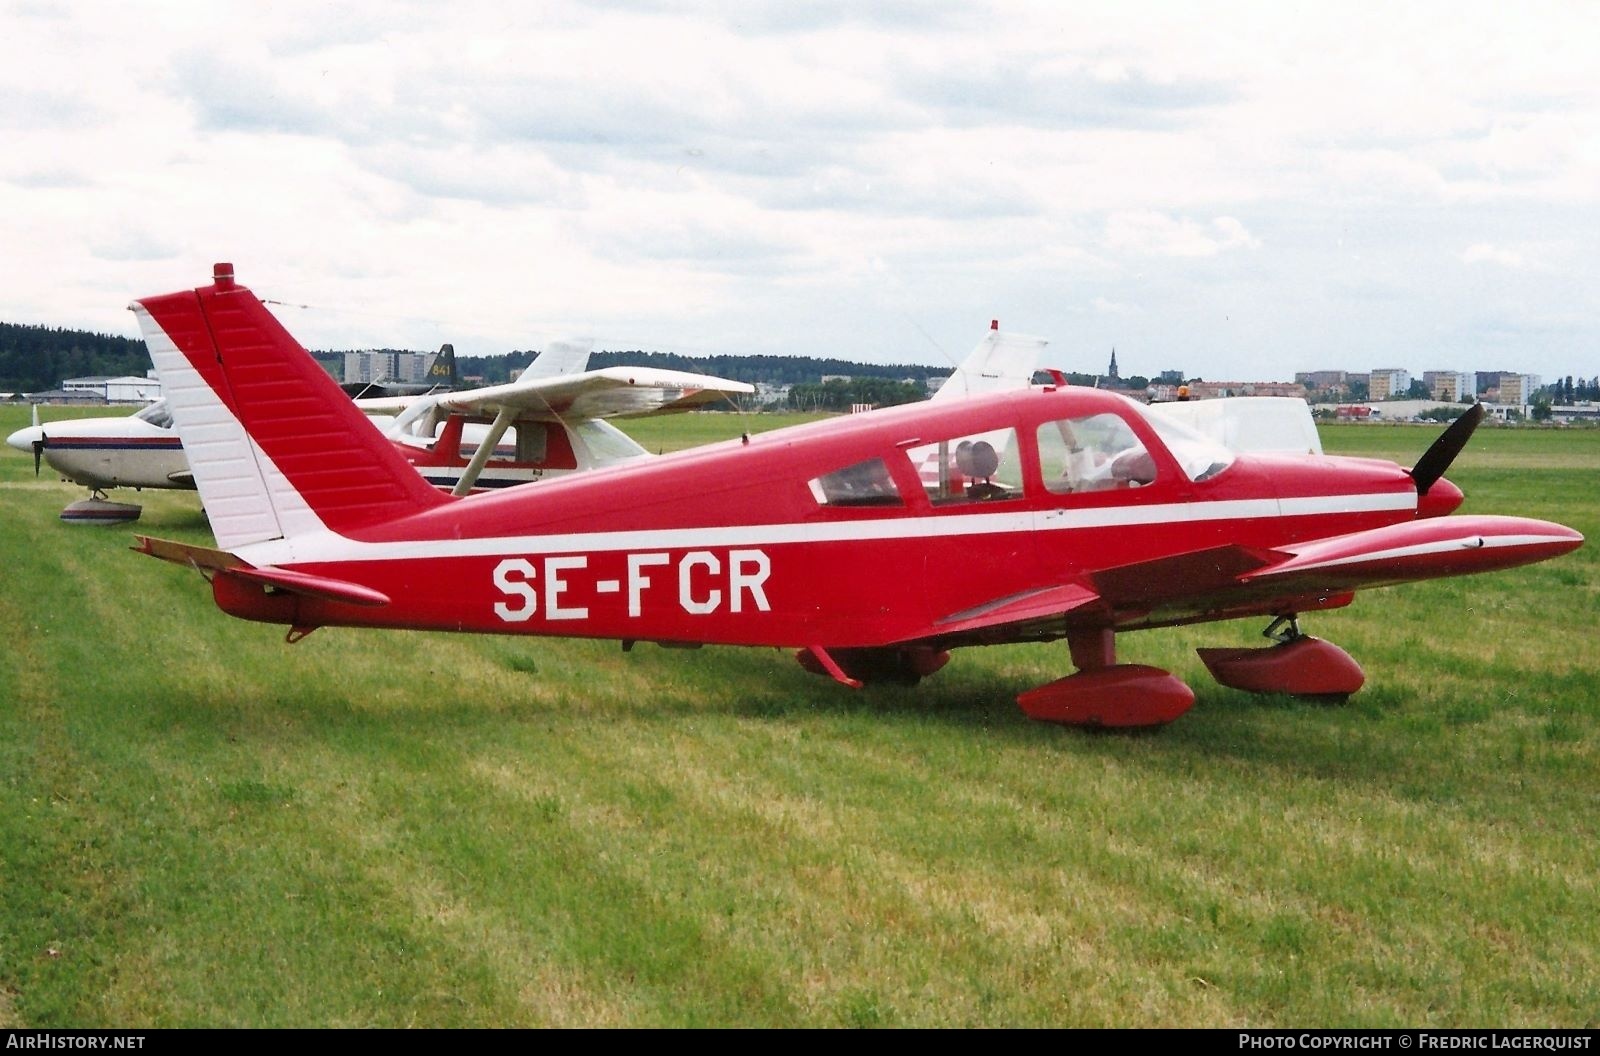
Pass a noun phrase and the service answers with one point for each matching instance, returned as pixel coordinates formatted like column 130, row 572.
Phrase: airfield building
column 126, row 389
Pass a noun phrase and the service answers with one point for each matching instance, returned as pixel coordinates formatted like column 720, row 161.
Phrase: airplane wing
column 370, row 405
column 1233, row 581
column 615, row 392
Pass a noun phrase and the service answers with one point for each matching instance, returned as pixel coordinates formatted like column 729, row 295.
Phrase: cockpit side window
column 863, row 484
column 982, row 467
column 1096, row 452
column 514, row 442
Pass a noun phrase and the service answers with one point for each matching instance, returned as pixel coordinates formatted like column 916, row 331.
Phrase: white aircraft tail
column 1001, row 361
column 276, row 448
column 559, row 357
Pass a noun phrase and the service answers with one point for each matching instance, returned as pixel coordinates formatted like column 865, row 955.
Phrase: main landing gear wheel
column 1105, row 693
column 1298, row 664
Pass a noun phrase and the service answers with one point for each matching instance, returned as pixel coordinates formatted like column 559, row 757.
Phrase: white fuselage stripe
column 328, row 546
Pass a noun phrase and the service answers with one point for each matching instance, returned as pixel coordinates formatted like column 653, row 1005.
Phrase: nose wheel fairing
column 1298, row 665
column 97, row 509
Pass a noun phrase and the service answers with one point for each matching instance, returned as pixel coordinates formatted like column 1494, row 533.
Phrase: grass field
column 200, row 825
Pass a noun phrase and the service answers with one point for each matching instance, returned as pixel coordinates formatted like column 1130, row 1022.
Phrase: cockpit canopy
column 1112, row 444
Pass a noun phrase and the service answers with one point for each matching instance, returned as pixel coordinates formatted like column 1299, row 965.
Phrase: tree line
column 773, row 370
column 1566, row 391
column 33, row 358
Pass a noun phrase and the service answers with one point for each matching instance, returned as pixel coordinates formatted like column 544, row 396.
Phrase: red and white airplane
column 1099, row 517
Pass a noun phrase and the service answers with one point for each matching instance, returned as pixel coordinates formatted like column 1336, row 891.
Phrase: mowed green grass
column 201, row 825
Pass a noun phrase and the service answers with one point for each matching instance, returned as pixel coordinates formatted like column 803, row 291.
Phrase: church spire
column 1111, row 371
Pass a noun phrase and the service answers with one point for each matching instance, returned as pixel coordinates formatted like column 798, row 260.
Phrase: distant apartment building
column 369, row 368
column 1451, row 386
column 1516, row 390
column 1387, row 383
column 1171, row 377
column 1210, row 390
column 1327, row 380
column 1484, row 380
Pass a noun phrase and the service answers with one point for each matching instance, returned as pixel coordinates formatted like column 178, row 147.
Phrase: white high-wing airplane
column 545, row 423
column 548, row 422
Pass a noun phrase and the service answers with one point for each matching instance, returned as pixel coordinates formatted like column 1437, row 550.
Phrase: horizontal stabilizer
column 188, row 555
column 221, row 562
column 311, row 586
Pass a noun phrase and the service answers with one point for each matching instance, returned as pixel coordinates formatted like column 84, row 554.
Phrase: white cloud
column 1160, row 235
column 1264, row 182
column 1484, row 253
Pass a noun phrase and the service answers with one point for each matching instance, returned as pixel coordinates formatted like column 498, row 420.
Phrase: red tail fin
column 276, row 447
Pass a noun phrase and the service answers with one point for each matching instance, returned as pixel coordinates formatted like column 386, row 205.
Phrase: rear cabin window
column 1097, row 452
column 982, row 467
column 863, row 484
column 525, row 442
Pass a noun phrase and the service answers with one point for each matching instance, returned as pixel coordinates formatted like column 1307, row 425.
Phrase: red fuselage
column 732, row 543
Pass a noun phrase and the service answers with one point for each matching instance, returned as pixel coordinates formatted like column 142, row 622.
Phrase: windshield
column 606, row 443
column 157, row 415
column 1198, row 457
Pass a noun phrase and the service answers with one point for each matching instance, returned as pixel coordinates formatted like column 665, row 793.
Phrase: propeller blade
column 1434, row 461
column 38, row 445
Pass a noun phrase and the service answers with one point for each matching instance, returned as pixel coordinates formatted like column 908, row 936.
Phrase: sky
column 1234, row 190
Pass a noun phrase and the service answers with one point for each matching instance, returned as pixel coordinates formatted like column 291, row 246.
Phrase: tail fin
column 561, row 357
column 1001, row 361
column 276, row 449
column 442, row 371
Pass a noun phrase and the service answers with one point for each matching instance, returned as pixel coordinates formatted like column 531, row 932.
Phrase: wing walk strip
column 328, row 546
